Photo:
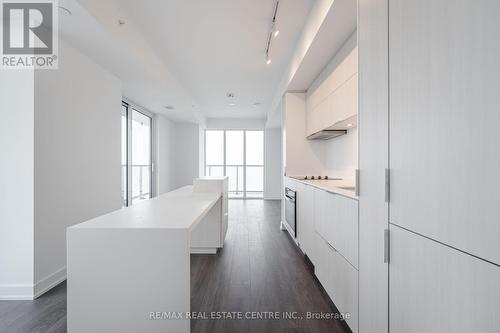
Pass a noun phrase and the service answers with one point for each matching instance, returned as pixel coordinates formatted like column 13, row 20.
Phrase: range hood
column 326, row 134
column 337, row 129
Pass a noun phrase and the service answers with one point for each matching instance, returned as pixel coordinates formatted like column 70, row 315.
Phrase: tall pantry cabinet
column 429, row 114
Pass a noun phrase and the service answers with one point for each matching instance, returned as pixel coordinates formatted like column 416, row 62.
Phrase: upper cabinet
column 332, row 99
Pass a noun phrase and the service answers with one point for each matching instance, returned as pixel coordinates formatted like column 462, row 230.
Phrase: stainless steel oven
column 291, row 210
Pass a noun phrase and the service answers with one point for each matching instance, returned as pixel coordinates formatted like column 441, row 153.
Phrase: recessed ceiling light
column 230, row 95
column 256, row 104
column 276, row 33
column 268, row 61
column 169, row 107
column 121, row 22
column 232, row 104
column 349, row 125
column 65, row 11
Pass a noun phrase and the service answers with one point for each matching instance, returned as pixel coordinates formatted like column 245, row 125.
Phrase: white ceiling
column 214, row 47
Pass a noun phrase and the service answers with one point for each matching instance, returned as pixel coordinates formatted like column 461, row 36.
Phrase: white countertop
column 179, row 209
column 338, row 186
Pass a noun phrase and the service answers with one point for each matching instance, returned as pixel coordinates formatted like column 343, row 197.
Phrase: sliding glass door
column 136, row 156
column 239, row 154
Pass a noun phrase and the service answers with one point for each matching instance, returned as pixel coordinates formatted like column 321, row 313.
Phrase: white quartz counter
column 130, row 263
column 338, row 186
column 179, row 209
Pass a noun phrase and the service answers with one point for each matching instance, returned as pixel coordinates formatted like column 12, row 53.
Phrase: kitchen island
column 126, row 267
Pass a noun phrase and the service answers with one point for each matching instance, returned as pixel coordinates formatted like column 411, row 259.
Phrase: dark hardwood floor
column 259, row 269
column 47, row 314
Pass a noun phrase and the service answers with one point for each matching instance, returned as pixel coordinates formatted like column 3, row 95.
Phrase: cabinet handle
column 331, row 247
column 357, row 183
column 387, row 246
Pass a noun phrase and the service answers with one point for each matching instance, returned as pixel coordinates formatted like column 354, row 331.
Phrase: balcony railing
column 141, row 181
column 236, row 177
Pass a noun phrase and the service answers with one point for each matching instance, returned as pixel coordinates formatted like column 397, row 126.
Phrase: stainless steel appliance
column 291, row 210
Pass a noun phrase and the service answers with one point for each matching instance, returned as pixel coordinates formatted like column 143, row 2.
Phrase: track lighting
column 273, row 32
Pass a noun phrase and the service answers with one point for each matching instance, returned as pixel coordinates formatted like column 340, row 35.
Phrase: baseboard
column 23, row 292
column 272, row 198
column 49, row 282
column 16, row 292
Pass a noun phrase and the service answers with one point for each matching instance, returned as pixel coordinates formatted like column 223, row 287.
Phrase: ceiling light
column 276, row 33
column 256, row 104
column 349, row 125
column 230, row 95
column 232, row 104
column 169, row 107
column 268, row 61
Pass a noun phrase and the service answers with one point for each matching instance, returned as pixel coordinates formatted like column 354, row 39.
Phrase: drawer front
column 339, row 224
column 342, row 227
column 344, row 288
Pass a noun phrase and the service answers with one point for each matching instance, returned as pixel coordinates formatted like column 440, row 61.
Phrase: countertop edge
column 333, row 189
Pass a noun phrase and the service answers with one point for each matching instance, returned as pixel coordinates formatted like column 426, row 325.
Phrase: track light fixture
column 273, row 32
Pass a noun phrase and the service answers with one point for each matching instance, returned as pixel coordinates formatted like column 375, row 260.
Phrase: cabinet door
column 344, row 288
column 320, row 212
column 322, row 266
column 306, row 220
column 343, row 102
column 342, row 226
column 434, row 288
column 444, row 120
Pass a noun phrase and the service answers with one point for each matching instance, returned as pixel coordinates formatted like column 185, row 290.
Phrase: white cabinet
column 340, row 280
column 344, row 288
column 333, row 97
column 373, row 160
column 336, row 250
column 342, row 226
column 321, row 212
column 336, row 221
column 305, row 220
column 210, row 233
column 434, row 288
column 444, row 164
column 444, row 120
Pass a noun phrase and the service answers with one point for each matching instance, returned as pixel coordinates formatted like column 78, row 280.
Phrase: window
column 136, row 156
column 239, row 154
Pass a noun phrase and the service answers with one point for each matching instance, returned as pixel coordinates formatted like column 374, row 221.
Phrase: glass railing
column 141, row 182
column 237, row 173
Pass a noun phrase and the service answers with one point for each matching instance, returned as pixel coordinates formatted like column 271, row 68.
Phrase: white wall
column 272, row 163
column 77, row 155
column 16, row 184
column 179, row 153
column 301, row 156
column 164, row 143
column 186, row 157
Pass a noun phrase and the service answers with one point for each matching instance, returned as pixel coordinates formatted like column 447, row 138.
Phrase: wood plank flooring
column 259, row 269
